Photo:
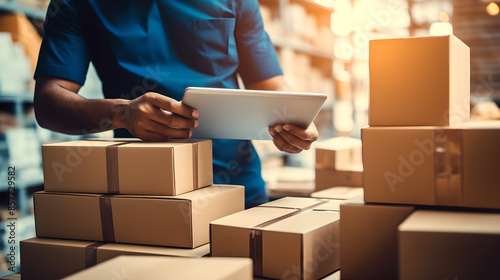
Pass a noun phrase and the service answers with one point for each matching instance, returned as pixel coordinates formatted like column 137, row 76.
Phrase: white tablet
column 247, row 114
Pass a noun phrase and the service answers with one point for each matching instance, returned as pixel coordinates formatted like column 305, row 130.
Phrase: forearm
column 62, row 110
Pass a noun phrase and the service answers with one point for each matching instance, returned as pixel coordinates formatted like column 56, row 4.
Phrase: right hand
column 155, row 117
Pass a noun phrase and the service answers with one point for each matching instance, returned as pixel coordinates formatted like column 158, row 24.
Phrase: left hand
column 292, row 139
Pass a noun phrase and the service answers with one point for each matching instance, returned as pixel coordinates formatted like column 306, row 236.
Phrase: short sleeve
column 257, row 56
column 64, row 52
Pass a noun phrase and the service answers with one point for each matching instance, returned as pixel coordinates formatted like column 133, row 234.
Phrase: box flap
column 457, row 222
column 292, row 202
column 304, row 222
column 252, row 217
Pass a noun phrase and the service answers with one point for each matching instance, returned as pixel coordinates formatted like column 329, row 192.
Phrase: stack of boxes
column 339, row 163
column 126, row 191
column 419, row 155
column 289, row 238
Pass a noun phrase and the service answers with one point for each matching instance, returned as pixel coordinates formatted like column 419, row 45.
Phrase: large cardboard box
column 50, row 259
column 286, row 238
column 449, row 245
column 447, row 166
column 178, row 221
column 327, row 177
column 127, row 166
column 368, row 239
column 157, row 268
column 339, row 153
column 339, row 193
column 419, row 81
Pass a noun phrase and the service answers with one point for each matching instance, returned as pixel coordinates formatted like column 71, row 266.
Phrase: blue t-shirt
column 164, row 46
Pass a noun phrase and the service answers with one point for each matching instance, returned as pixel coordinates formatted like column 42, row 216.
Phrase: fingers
column 283, row 144
column 293, row 139
column 173, row 120
column 152, row 136
column 171, row 105
column 309, row 134
column 166, row 130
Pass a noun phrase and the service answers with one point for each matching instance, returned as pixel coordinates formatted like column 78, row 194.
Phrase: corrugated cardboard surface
column 338, row 153
column 304, row 245
column 50, row 259
column 338, row 193
column 400, row 165
column 328, row 177
column 144, row 168
column 368, row 240
column 419, row 81
column 449, row 245
column 152, row 268
column 180, row 221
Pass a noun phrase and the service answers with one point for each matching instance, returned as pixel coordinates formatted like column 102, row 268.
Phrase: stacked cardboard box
column 339, row 163
column 420, row 151
column 127, row 191
column 289, row 238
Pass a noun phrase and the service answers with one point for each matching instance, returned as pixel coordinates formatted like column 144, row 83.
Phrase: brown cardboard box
column 327, row 177
column 151, row 268
column 285, row 238
column 419, row 81
column 178, row 221
column 47, row 259
column 127, row 166
column 449, row 245
column 339, row 153
column 368, row 239
column 448, row 166
column 339, row 193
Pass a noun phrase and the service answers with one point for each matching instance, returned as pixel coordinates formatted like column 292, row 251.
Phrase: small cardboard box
column 327, row 177
column 50, row 259
column 151, row 268
column 449, row 245
column 446, row 166
column 339, row 193
column 286, row 238
column 178, row 221
column 127, row 166
column 419, row 81
column 368, row 239
column 339, row 153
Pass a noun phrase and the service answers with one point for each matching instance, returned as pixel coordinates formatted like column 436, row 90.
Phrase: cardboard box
column 127, row 166
column 368, row 239
column 286, row 238
column 47, row 259
column 447, row 166
column 340, row 153
column 149, row 268
column 419, row 81
column 327, row 177
column 178, row 221
column 339, row 193
column 449, row 245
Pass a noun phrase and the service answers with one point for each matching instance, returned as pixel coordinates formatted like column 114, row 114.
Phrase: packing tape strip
column 448, row 166
column 108, row 230
column 256, row 237
column 91, row 254
column 195, row 165
column 112, row 167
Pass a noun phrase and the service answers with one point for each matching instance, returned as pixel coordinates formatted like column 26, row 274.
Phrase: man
column 146, row 53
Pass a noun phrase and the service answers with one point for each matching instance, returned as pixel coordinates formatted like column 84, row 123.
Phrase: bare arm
column 151, row 116
column 287, row 137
